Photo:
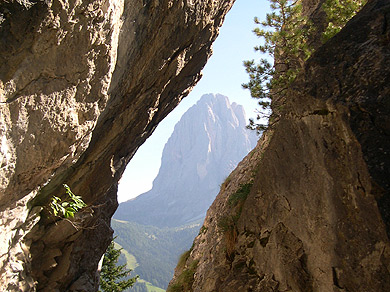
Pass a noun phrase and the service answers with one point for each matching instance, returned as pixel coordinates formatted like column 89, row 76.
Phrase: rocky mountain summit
column 205, row 146
column 82, row 85
column 308, row 208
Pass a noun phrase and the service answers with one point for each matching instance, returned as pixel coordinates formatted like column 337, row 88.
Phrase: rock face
column 314, row 211
column 82, row 85
column 206, row 145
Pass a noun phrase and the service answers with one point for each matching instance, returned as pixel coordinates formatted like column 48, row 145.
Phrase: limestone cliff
column 82, row 85
column 307, row 210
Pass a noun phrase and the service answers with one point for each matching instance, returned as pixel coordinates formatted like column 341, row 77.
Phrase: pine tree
column 339, row 12
column 112, row 274
column 286, row 34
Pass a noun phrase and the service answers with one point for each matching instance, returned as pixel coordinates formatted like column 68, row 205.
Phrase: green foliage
column 203, row 229
column 68, row 207
column 227, row 223
column 183, row 259
column 185, row 280
column 286, row 34
column 112, row 274
column 241, row 194
column 339, row 12
column 227, row 181
column 156, row 250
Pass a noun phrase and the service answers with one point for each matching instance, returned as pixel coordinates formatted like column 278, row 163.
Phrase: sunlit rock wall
column 315, row 216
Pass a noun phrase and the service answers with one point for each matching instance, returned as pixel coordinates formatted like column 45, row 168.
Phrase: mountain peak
column 205, row 146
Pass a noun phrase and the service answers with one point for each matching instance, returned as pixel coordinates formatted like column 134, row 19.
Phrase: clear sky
column 224, row 73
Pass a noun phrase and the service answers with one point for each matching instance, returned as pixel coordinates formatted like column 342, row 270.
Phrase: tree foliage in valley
column 114, row 277
column 156, row 249
column 286, row 35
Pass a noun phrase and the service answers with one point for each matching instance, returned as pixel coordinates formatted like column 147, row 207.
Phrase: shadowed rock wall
column 315, row 217
column 82, row 85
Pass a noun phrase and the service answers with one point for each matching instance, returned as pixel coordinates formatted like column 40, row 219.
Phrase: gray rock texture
column 206, row 145
column 315, row 214
column 82, row 85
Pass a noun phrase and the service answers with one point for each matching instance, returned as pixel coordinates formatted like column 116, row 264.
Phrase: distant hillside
column 152, row 252
column 206, row 145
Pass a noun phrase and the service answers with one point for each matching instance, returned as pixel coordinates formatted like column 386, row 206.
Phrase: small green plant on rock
column 68, row 207
column 183, row 259
column 225, row 183
column 203, row 229
column 240, row 195
column 227, row 224
column 185, row 280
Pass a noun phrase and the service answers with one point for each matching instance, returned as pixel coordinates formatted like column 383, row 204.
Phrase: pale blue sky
column 224, row 73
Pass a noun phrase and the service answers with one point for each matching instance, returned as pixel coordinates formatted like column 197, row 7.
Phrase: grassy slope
column 131, row 261
column 151, row 288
